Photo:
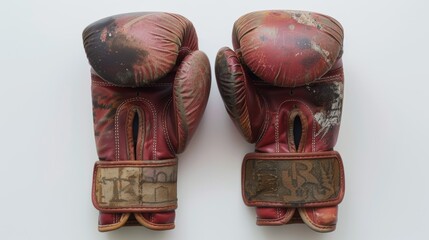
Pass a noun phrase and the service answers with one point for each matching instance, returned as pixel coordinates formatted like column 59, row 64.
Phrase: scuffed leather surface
column 135, row 49
column 190, row 95
column 238, row 97
column 288, row 48
column 286, row 64
column 145, row 66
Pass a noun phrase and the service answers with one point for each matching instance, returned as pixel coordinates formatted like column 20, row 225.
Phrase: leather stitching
column 117, row 223
column 284, row 219
column 266, row 120
column 313, row 136
column 150, row 225
column 152, row 109
column 276, row 132
column 312, row 223
column 164, row 126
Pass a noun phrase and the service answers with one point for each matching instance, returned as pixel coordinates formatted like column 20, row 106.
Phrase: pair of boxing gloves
column 282, row 86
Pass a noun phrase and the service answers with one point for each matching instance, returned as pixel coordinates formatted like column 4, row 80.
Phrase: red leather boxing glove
column 283, row 88
column 150, row 86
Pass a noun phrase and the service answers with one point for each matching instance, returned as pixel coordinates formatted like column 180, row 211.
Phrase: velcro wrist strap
column 135, row 186
column 292, row 179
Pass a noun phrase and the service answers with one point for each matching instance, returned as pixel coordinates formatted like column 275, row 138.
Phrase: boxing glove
column 283, row 88
column 150, row 87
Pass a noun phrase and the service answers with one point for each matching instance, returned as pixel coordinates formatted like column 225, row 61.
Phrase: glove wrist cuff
column 292, row 179
column 135, row 186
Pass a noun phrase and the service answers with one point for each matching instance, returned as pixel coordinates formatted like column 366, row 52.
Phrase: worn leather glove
column 150, row 86
column 283, row 88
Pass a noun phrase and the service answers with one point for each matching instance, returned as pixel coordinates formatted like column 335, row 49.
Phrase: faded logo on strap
column 136, row 186
column 293, row 182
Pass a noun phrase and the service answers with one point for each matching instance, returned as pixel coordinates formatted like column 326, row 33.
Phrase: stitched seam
column 270, row 220
column 313, row 223
column 136, row 163
column 313, row 137
column 288, row 215
column 275, row 204
column 164, row 126
column 265, row 127
column 116, row 222
column 152, row 109
column 116, row 136
column 169, row 207
column 151, row 224
column 107, row 225
column 129, row 128
column 278, row 219
column 276, row 133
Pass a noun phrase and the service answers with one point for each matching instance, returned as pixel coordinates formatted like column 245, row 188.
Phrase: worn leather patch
column 293, row 179
column 134, row 186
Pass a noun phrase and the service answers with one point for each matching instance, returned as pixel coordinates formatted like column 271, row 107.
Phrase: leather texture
column 150, row 185
column 282, row 86
column 150, row 87
column 292, row 179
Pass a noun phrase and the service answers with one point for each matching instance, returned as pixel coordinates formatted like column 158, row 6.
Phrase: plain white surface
column 48, row 148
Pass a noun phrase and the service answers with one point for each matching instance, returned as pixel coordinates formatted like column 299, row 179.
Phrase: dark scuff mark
column 310, row 61
column 303, row 43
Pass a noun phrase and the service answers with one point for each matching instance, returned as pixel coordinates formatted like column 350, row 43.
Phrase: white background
column 48, row 149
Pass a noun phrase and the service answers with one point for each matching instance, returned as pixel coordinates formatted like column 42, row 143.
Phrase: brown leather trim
column 135, row 186
column 135, row 151
column 114, row 226
column 314, row 226
column 277, row 221
column 153, row 226
column 292, row 179
column 296, row 112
